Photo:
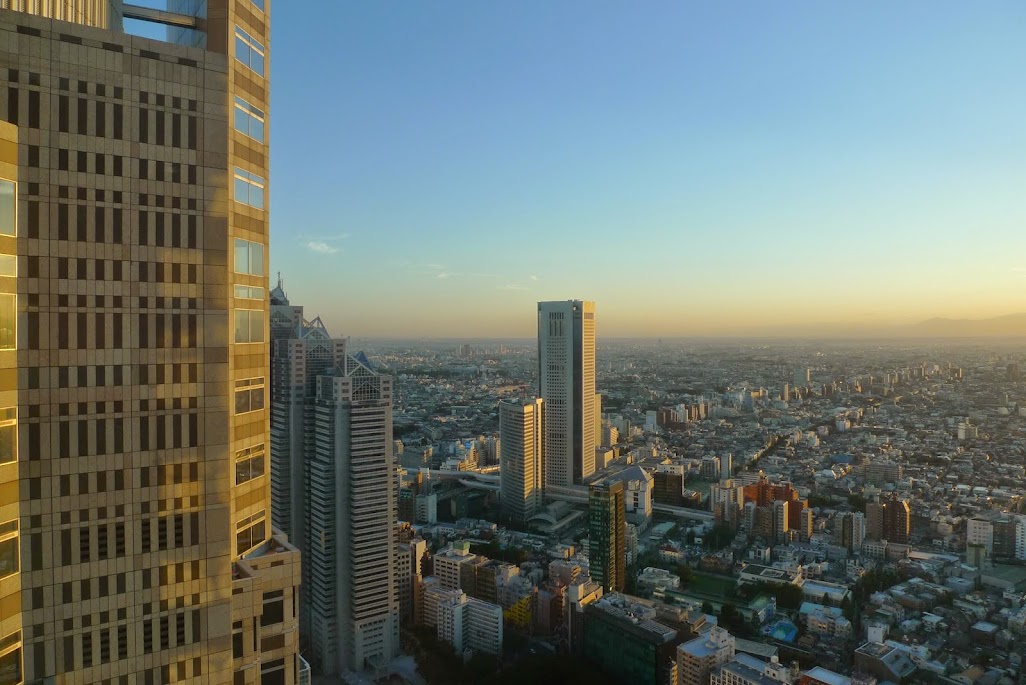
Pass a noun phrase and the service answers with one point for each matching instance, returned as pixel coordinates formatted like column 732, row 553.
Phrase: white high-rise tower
column 566, row 374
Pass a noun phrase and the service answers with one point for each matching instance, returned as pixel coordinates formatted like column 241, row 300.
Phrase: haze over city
column 696, row 169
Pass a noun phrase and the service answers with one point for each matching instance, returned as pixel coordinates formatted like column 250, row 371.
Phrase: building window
column 273, row 672
column 8, row 208
column 238, row 644
column 249, row 463
column 8, row 548
column 248, row 292
column 259, row 4
column 249, row 257
column 249, row 188
column 8, row 435
column 249, row 395
column 249, row 325
column 10, row 659
column 8, row 265
column 274, row 608
column 8, row 316
column 249, row 51
column 250, row 532
column 249, row 120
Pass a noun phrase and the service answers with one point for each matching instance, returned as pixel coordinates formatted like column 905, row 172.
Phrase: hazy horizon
column 693, row 169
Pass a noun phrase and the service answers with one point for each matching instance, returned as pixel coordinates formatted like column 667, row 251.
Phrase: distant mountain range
column 999, row 326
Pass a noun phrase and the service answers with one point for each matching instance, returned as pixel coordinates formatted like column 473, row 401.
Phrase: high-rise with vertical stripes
column 566, row 376
column 334, row 488
column 136, row 544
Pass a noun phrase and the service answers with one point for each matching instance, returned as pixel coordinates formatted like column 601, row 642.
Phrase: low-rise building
column 630, row 648
column 697, row 658
column 468, row 623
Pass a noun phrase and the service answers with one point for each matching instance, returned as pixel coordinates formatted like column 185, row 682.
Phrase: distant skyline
column 693, row 168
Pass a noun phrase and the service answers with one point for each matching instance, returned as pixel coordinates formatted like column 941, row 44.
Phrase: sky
column 695, row 168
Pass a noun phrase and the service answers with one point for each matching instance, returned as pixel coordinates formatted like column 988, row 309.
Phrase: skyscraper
column 566, row 376
column 352, row 516
column 607, row 533
column 301, row 350
column 134, row 337
column 521, row 425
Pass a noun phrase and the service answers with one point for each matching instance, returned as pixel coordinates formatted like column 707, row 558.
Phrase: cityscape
column 211, row 480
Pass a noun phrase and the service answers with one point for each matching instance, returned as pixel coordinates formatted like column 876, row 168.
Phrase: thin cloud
column 321, row 247
column 533, row 277
column 512, row 286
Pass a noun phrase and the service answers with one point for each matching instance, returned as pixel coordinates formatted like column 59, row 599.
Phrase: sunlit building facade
column 566, row 376
column 134, row 350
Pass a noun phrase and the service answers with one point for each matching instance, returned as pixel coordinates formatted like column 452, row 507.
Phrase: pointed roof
column 278, row 295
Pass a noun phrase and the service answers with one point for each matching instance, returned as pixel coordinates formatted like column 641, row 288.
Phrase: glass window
column 249, row 464
column 274, row 608
column 249, row 325
column 249, row 257
column 250, row 532
column 8, row 265
column 249, row 120
column 249, row 188
column 249, row 395
column 249, row 51
column 8, row 208
column 8, row 548
column 259, row 4
column 8, row 435
column 247, row 292
column 10, row 667
column 8, row 315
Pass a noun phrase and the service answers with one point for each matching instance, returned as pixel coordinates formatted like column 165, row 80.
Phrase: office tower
column 301, row 350
column 801, row 378
column 598, row 419
column 786, row 393
column 566, row 375
column 726, row 466
column 607, row 531
column 449, row 565
column 979, row 532
column 351, row 519
column 139, row 396
column 697, row 658
column 521, row 430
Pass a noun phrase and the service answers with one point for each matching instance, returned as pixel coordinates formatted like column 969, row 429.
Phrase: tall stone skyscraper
column 136, row 544
column 521, row 435
column 566, row 376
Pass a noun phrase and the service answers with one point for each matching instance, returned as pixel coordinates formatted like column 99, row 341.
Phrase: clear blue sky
column 438, row 167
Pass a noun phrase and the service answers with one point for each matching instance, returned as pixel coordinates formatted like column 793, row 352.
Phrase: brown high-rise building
column 764, row 494
column 134, row 350
column 889, row 520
